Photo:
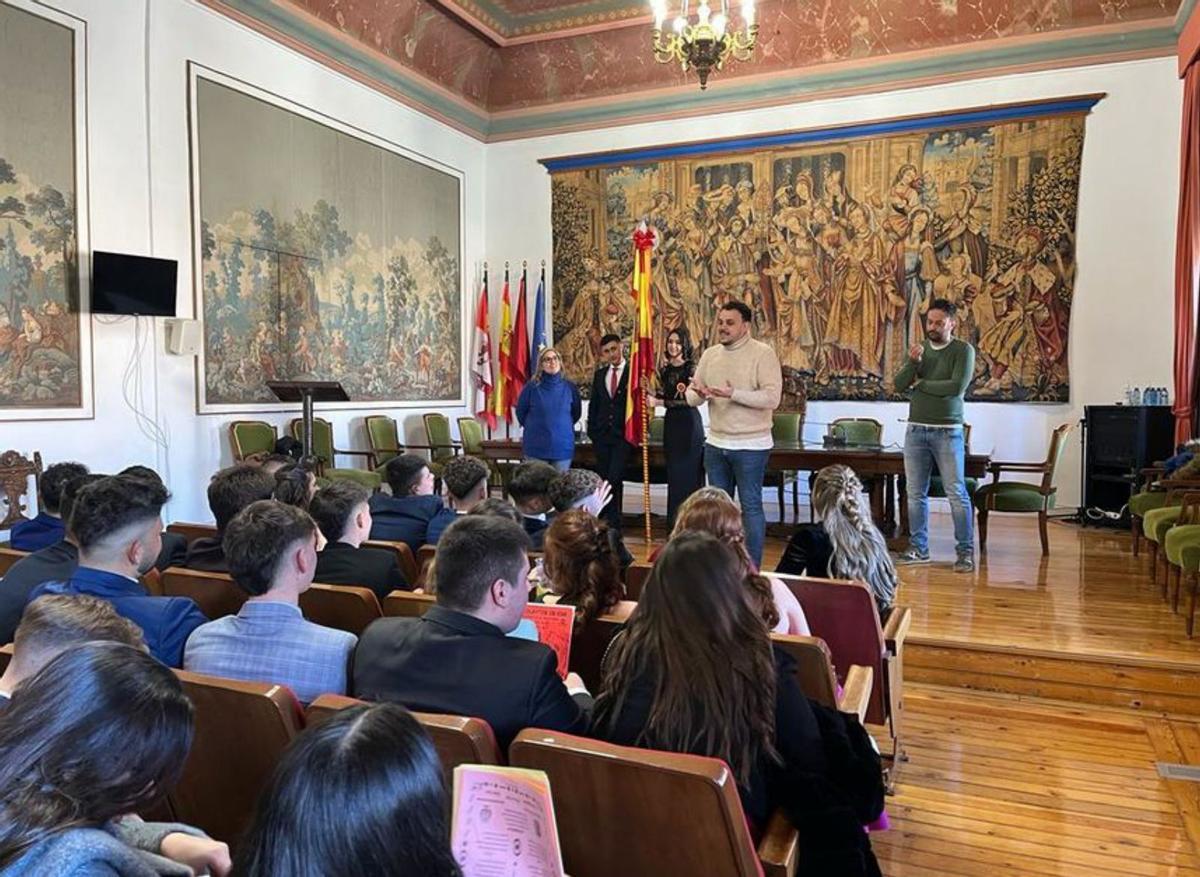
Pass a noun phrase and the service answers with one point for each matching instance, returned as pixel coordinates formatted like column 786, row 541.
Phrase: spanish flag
column 502, row 404
column 641, row 350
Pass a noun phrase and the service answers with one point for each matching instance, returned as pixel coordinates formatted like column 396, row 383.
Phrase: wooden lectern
column 307, row 392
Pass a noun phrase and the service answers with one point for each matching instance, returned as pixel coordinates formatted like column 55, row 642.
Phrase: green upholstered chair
column 250, row 437
column 1022, row 496
column 441, row 445
column 384, row 439
column 1158, row 490
column 326, row 454
column 1139, row 504
column 1178, row 539
column 470, row 431
column 1156, row 523
column 786, row 426
column 857, row 430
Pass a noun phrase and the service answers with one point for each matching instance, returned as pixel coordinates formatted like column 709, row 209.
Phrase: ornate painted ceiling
column 511, row 68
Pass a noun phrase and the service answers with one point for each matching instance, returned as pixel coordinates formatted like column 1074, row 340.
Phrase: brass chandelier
column 704, row 40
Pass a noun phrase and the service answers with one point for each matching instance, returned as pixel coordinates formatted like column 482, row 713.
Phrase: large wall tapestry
column 839, row 241
column 45, row 355
column 323, row 254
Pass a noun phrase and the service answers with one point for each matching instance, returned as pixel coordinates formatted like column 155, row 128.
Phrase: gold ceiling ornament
column 703, row 40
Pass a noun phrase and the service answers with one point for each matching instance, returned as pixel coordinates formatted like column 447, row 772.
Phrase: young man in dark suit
column 341, row 511
column 529, row 489
column 456, row 658
column 48, row 527
column 405, row 515
column 606, row 422
column 230, row 491
column 116, row 524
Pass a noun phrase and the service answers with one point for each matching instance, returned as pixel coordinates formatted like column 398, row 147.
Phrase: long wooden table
column 876, row 466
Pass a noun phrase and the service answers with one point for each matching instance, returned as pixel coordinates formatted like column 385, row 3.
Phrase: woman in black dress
column 683, row 433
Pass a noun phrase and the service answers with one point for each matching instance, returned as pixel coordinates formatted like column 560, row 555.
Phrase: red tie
column 612, row 381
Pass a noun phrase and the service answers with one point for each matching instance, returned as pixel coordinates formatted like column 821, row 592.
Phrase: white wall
column 1121, row 321
column 138, row 51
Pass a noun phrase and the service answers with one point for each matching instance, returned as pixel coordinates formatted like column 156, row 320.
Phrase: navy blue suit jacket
column 403, row 518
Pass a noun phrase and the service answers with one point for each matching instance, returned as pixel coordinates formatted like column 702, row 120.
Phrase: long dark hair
column 360, row 794
column 293, row 486
column 698, row 630
column 685, row 343
column 582, row 565
column 102, row 730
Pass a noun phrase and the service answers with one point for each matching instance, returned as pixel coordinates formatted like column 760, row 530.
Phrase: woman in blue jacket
column 547, row 409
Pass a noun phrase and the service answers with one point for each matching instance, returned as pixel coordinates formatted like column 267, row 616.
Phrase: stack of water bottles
column 1150, row 396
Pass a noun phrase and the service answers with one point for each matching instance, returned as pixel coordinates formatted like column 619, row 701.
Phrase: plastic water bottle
column 1135, row 397
column 1150, row 396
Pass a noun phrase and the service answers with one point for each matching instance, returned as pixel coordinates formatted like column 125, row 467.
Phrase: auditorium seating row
column 1167, row 515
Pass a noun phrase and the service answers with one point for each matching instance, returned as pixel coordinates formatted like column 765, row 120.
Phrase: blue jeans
column 745, row 471
column 923, row 447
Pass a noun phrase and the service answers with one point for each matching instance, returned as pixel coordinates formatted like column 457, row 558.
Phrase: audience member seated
column 529, row 488
column 710, row 510
column 271, row 463
column 295, row 485
column 498, row 508
column 342, row 512
column 99, row 733
column 51, row 564
column 456, row 658
column 230, row 491
column 405, row 515
column 47, row 527
column 466, row 483
column 845, row 544
column 584, row 489
column 272, row 556
column 581, row 567
column 174, row 545
column 115, row 522
column 367, row 787
column 51, row 625
column 694, row 672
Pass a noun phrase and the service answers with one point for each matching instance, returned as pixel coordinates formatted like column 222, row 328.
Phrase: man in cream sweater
column 742, row 382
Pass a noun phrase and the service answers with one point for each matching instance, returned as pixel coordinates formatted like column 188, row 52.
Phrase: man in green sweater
column 938, row 371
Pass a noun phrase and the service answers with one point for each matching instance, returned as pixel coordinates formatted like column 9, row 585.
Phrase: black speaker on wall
column 1119, row 441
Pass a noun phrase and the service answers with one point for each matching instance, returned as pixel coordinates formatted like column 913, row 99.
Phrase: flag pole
column 487, row 423
column 507, row 425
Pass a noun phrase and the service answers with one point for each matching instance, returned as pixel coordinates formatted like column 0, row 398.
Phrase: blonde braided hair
column 859, row 550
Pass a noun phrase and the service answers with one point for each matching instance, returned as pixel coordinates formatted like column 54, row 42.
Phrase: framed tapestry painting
column 321, row 253
column 45, row 333
column 838, row 240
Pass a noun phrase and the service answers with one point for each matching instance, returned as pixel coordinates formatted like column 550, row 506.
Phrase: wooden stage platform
column 1041, row 694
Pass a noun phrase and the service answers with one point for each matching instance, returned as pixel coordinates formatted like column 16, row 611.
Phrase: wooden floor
column 1040, row 695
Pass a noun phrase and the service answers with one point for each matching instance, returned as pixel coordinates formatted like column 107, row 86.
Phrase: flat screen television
column 127, row 284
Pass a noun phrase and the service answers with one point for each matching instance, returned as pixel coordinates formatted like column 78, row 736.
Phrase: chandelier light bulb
column 703, row 13
column 718, row 24
column 680, row 24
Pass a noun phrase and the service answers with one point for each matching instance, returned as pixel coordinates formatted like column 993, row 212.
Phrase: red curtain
column 1187, row 260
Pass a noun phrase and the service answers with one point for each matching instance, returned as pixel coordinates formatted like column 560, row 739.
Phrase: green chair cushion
column 368, row 479
column 858, row 432
column 785, row 426
column 382, row 433
column 1012, row 496
column 1178, row 538
column 255, row 437
column 1189, row 557
column 1156, row 522
column 437, row 428
column 1140, row 503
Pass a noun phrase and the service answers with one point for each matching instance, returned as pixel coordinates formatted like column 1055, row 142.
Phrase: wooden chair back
column 589, row 645
column 192, row 532
column 636, row 575
column 404, row 556
column 814, row 666
column 15, row 469
column 857, row 430
column 214, row 592
column 634, row 811
column 151, row 580
column 383, row 437
column 845, row 616
column 247, row 437
column 322, row 437
column 9, row 556
column 405, row 604
column 1058, row 443
column 6, row 653
column 341, row 606
column 458, row 739
column 242, row 729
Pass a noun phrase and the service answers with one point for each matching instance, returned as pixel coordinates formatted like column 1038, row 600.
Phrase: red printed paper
column 554, row 624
